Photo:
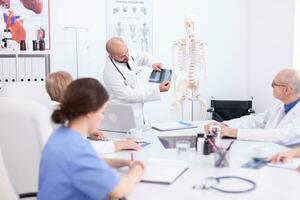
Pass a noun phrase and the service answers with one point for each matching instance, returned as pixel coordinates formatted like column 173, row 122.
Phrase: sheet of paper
column 173, row 126
column 291, row 164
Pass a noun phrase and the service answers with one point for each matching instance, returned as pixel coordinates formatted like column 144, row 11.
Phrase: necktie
column 128, row 66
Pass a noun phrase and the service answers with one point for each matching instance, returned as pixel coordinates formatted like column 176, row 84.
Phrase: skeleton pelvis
column 193, row 86
column 182, row 85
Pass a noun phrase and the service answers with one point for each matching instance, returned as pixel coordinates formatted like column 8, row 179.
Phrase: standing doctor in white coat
column 280, row 124
column 122, row 80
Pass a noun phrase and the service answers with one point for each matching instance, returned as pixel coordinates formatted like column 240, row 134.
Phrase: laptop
column 118, row 118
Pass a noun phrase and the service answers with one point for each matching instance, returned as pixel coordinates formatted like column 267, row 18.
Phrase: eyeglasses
column 277, row 84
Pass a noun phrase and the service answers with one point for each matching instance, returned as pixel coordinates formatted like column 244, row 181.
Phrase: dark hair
column 82, row 96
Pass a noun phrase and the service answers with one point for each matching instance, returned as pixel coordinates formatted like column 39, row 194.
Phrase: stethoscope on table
column 212, row 182
column 124, row 78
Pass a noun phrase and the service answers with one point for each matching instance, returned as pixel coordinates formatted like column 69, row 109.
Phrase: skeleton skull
column 190, row 25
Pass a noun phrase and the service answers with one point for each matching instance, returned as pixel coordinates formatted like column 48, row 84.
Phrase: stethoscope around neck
column 124, row 78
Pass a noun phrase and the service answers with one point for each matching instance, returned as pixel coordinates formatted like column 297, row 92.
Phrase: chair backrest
column 32, row 90
column 230, row 109
column 25, row 127
column 6, row 189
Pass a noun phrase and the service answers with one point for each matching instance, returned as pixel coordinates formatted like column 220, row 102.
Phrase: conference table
column 271, row 183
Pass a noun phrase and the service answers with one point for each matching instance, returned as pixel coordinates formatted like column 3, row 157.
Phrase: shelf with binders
column 23, row 66
column 27, row 52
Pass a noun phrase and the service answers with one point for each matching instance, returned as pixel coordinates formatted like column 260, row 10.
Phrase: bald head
column 114, row 44
column 291, row 77
column 117, row 50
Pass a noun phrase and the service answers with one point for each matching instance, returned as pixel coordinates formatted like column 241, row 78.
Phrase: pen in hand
column 135, row 163
column 228, row 148
column 140, row 142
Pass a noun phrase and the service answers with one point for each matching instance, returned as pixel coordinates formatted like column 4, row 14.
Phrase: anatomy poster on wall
column 24, row 20
column 132, row 21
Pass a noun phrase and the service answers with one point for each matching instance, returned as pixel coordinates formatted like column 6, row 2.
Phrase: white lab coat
column 272, row 126
column 134, row 91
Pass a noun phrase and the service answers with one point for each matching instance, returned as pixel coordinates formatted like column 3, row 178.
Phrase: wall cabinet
column 23, row 66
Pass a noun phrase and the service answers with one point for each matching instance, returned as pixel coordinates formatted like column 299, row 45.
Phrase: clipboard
column 164, row 171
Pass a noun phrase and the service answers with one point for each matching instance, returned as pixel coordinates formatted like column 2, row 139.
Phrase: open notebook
column 292, row 164
column 164, row 171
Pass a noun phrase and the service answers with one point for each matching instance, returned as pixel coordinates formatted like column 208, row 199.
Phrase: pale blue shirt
column 71, row 170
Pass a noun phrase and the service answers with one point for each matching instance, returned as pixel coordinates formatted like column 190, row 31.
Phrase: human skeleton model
column 189, row 75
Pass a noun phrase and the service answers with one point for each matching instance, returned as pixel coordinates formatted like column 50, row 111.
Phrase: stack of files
column 164, row 171
column 291, row 164
column 173, row 126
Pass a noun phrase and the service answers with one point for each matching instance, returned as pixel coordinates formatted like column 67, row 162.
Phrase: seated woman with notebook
column 69, row 167
column 284, row 156
column 56, row 84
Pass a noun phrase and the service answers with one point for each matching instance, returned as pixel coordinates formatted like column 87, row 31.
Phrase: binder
column 21, row 72
column 1, row 75
column 12, row 69
column 38, row 68
column 42, row 68
column 28, row 69
column 6, row 69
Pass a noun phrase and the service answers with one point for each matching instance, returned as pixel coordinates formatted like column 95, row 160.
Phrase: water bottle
column 199, row 143
column 207, row 148
column 42, row 45
column 23, row 45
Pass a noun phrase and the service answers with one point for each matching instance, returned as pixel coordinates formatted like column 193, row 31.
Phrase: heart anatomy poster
column 25, row 20
column 132, row 21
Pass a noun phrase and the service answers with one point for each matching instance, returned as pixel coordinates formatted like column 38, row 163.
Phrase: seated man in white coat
column 122, row 80
column 280, row 124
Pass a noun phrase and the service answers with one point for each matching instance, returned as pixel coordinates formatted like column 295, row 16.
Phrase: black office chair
column 222, row 110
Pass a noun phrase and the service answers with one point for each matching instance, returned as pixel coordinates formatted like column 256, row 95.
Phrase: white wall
column 91, row 44
column 296, row 59
column 243, row 36
column 270, row 46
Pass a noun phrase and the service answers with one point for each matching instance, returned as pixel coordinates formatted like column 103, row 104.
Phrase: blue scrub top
column 71, row 169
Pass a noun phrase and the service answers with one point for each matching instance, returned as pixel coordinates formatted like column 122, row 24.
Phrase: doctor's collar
column 118, row 61
column 121, row 62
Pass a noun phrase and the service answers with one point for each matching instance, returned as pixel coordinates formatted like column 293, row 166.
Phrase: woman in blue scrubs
column 70, row 167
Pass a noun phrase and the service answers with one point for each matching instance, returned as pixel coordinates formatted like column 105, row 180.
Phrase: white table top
column 272, row 183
